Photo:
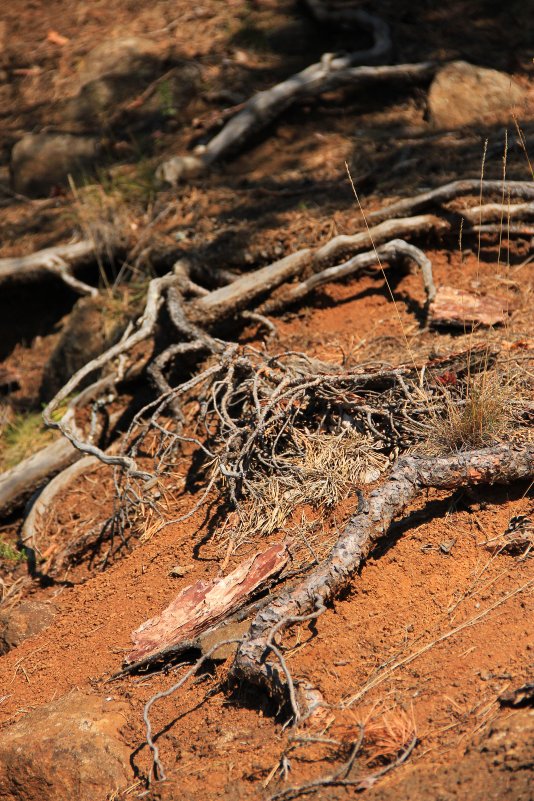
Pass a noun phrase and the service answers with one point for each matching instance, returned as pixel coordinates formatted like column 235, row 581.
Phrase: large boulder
column 23, row 621
column 463, row 94
column 126, row 56
column 69, row 749
column 42, row 162
column 130, row 77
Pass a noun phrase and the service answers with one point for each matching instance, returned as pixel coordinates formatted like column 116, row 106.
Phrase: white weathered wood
column 58, row 260
column 330, row 73
column 19, row 483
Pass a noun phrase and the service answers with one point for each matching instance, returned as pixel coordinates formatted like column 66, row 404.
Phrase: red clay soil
column 435, row 627
column 431, row 577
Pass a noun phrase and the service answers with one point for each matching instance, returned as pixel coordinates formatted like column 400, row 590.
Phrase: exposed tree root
column 501, row 464
column 194, row 319
column 344, row 244
column 332, row 72
column 59, row 261
column 28, row 535
column 392, row 251
column 127, row 343
column 442, row 194
column 342, row 778
column 501, row 212
column 19, row 483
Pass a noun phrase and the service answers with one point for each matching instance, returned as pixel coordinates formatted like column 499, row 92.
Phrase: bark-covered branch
column 500, row 464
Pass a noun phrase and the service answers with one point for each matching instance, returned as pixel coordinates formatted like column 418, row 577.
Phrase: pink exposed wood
column 205, row 603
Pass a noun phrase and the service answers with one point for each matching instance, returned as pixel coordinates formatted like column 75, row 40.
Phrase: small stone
column 23, row 621
column 42, row 162
column 463, row 94
column 180, row 570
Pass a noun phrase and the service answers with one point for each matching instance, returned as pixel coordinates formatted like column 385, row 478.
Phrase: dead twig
column 340, row 777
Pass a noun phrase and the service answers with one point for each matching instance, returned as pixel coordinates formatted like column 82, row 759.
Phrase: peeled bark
column 201, row 606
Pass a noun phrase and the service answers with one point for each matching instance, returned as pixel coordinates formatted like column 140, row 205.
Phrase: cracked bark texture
column 500, row 464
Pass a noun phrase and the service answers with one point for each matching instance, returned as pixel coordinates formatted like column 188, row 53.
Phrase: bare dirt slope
column 436, row 627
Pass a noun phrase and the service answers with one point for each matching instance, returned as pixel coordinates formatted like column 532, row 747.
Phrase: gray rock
column 40, row 162
column 23, row 621
column 125, row 56
column 130, row 78
column 463, row 94
column 69, row 749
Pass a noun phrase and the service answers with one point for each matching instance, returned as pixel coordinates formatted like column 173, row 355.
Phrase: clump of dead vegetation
column 273, row 434
column 481, row 413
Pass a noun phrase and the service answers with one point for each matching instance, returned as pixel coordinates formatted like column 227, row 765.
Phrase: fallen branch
column 500, row 464
column 330, row 73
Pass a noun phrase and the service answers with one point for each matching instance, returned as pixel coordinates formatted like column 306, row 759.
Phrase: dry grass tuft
column 321, row 470
column 23, row 435
column 103, row 217
column 387, row 735
column 484, row 415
